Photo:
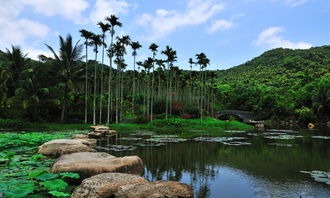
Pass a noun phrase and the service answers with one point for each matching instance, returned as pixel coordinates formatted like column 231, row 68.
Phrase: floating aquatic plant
column 321, row 137
column 319, row 176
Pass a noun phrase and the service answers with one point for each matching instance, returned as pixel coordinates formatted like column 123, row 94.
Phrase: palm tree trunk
column 109, row 85
column 94, row 98
column 64, row 102
column 86, row 83
column 101, row 87
column 133, row 92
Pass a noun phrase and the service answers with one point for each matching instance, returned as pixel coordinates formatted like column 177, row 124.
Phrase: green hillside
column 280, row 83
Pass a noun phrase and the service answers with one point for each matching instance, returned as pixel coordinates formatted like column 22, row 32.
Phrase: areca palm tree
column 114, row 21
column 66, row 60
column 160, row 68
column 202, row 61
column 135, row 46
column 171, row 57
column 87, row 35
column 153, row 47
column 191, row 62
column 96, row 42
column 104, row 27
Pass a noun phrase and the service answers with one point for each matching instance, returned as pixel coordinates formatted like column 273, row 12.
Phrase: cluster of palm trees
column 116, row 52
column 108, row 94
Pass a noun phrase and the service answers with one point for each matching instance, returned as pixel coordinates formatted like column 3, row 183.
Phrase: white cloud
column 165, row 22
column 292, row 3
column 220, row 25
column 34, row 53
column 104, row 8
column 16, row 32
column 70, row 9
column 271, row 38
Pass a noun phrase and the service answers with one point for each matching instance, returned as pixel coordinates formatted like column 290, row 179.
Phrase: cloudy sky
column 230, row 32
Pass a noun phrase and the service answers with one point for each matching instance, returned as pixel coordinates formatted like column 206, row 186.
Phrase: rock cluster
column 106, row 175
column 101, row 131
column 122, row 185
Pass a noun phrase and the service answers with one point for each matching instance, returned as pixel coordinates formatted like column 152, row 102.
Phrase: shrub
column 11, row 124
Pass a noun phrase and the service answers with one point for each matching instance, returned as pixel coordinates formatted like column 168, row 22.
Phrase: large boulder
column 88, row 164
column 105, row 185
column 65, row 146
column 157, row 189
column 121, row 185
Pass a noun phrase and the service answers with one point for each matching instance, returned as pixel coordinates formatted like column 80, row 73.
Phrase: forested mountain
column 280, row 83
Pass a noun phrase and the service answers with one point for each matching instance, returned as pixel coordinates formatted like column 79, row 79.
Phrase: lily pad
column 218, row 139
column 117, row 148
column 150, row 144
column 283, row 130
column 253, row 134
column 234, row 131
column 236, row 143
column 279, row 144
column 143, row 133
column 130, row 138
column 321, row 137
column 283, row 137
column 166, row 140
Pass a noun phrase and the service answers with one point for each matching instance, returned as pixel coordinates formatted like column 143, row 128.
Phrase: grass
column 185, row 127
column 56, row 126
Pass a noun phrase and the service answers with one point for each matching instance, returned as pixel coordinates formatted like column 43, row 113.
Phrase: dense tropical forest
column 76, row 86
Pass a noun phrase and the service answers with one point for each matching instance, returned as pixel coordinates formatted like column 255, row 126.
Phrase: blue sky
column 230, row 32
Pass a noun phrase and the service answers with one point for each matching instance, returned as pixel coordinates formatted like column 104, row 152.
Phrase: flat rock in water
column 88, row 164
column 85, row 137
column 65, row 146
column 121, row 185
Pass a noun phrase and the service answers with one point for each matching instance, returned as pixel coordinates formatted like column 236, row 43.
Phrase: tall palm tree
column 171, row 57
column 87, row 35
column 135, row 46
column 66, row 60
column 191, row 62
column 114, row 21
column 202, row 61
column 119, row 50
column 160, row 68
column 104, row 27
column 153, row 47
column 96, row 42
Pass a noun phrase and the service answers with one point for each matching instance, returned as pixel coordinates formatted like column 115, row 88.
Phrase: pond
column 250, row 164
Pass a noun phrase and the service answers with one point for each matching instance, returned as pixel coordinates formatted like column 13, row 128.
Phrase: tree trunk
column 94, row 98
column 86, row 85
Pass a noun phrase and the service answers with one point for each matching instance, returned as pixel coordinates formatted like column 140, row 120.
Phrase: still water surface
column 249, row 171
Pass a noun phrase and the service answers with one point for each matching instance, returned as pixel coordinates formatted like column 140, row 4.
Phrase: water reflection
column 258, row 170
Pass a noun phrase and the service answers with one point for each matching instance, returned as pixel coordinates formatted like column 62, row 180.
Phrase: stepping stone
column 122, row 185
column 88, row 164
column 65, row 146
